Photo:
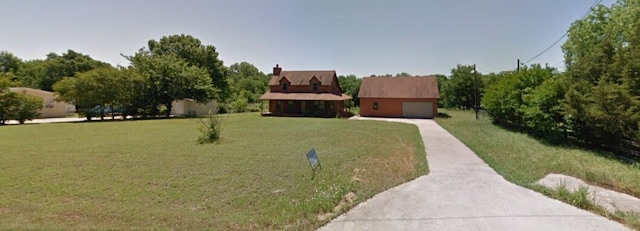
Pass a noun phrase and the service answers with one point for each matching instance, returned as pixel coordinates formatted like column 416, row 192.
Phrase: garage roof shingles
column 419, row 87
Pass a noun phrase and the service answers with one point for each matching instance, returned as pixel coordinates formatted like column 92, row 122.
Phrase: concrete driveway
column 461, row 192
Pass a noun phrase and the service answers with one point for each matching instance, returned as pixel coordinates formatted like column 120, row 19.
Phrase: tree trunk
column 168, row 112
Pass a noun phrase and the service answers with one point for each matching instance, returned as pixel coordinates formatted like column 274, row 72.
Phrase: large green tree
column 246, row 82
column 170, row 78
column 43, row 74
column 602, row 56
column 90, row 91
column 194, row 53
column 460, row 90
column 350, row 85
column 9, row 62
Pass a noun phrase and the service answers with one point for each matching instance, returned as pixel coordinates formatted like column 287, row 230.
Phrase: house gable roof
column 303, row 77
column 419, row 87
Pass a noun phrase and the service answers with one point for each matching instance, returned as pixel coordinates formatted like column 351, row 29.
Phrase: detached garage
column 409, row 97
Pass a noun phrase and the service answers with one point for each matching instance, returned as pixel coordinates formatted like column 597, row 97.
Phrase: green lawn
column 152, row 174
column 524, row 160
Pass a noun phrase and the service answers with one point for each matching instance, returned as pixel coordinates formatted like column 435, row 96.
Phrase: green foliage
column 27, row 108
column 606, row 114
column 459, row 90
column 239, row 105
column 43, row 74
column 602, row 55
column 223, row 108
column 194, row 53
column 170, row 78
column 8, row 105
column 246, row 82
column 210, row 127
column 9, row 63
column 350, row 85
column 528, row 100
column 20, row 107
column 442, row 81
column 32, row 73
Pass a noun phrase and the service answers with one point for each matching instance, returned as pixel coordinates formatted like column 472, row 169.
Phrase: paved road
column 461, row 192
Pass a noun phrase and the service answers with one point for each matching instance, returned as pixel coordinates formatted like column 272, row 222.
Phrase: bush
column 210, row 127
column 28, row 108
column 19, row 107
column 222, row 108
column 240, row 105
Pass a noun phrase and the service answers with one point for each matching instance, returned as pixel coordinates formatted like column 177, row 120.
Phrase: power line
column 563, row 36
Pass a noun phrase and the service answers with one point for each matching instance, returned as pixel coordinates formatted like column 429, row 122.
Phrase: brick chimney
column 277, row 70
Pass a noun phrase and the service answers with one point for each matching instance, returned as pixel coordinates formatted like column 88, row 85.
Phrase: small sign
column 313, row 161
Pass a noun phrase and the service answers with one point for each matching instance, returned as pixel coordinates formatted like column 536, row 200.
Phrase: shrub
column 210, row 127
column 222, row 108
column 28, row 108
column 240, row 105
column 19, row 107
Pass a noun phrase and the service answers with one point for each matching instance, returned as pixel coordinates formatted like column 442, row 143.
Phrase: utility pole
column 475, row 89
column 518, row 68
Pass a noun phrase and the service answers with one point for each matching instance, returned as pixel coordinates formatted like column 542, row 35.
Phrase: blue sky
column 360, row 37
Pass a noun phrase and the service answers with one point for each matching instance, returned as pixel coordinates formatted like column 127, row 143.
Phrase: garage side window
column 375, row 105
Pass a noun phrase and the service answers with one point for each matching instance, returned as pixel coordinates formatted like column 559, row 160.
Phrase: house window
column 375, row 105
column 314, row 86
column 284, row 86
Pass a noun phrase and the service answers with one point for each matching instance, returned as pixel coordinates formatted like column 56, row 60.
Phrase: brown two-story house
column 304, row 93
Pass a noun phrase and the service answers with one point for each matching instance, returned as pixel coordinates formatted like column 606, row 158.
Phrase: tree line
column 595, row 101
column 172, row 68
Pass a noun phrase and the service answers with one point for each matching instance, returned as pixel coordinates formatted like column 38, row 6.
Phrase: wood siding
column 389, row 107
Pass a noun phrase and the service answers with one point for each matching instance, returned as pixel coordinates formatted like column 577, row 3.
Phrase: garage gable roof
column 419, row 87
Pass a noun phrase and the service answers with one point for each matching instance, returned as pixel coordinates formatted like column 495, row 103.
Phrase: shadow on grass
column 443, row 115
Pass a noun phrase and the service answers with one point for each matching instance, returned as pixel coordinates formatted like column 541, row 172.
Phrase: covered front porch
column 315, row 108
column 305, row 104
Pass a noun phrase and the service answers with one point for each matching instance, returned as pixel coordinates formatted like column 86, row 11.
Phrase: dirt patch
column 347, row 200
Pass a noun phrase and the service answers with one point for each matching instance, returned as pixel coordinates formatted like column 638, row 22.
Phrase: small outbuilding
column 409, row 97
column 190, row 107
column 50, row 108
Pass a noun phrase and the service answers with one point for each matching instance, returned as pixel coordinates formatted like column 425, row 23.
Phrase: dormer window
column 284, row 86
column 314, row 86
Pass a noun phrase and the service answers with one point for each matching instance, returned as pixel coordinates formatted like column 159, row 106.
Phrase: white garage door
column 417, row 109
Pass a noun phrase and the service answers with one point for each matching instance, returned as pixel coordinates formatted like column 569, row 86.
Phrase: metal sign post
column 313, row 161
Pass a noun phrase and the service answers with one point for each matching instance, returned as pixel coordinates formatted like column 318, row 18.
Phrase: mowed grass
column 524, row 160
column 153, row 175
